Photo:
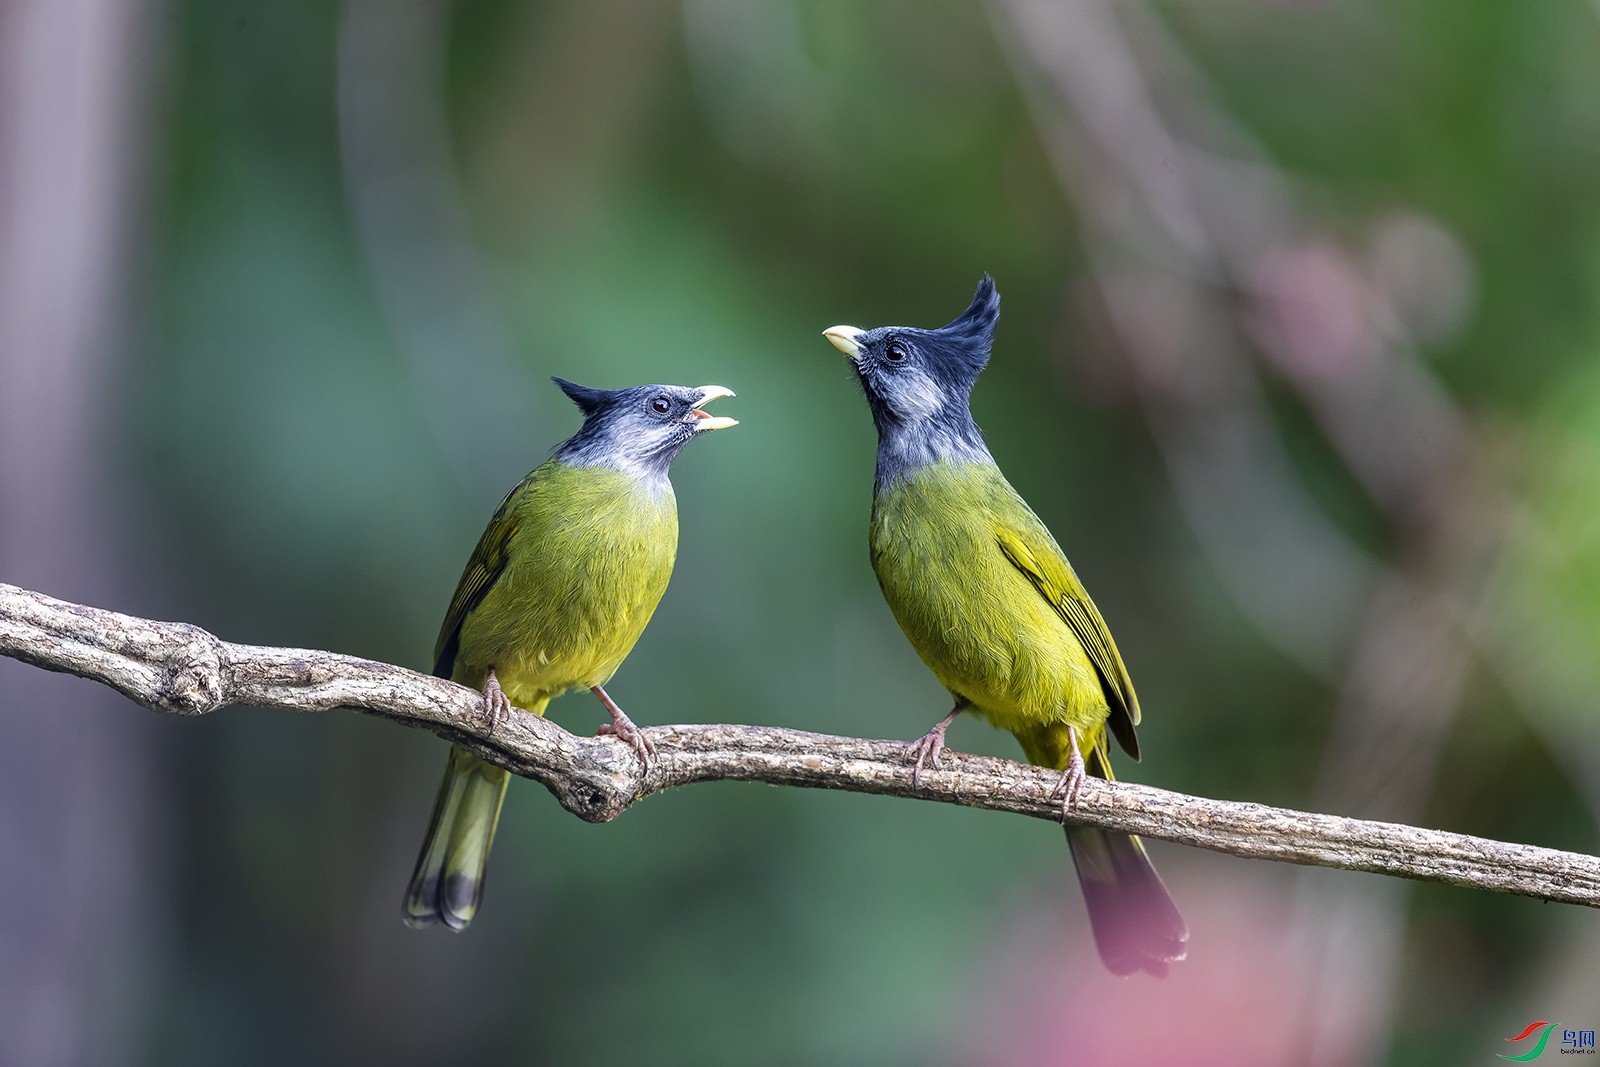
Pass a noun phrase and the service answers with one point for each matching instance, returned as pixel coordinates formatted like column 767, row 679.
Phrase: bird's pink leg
column 622, row 727
column 930, row 744
column 1072, row 778
column 496, row 705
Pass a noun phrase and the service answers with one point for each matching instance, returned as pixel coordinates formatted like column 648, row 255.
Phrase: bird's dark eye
column 896, row 352
column 660, row 405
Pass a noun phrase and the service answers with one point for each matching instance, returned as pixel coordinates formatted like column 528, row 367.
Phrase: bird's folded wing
column 483, row 569
column 1034, row 554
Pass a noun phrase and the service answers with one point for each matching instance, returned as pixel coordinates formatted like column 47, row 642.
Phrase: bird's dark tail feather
column 1136, row 925
column 447, row 885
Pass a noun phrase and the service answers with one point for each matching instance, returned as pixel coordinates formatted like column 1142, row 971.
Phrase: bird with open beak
column 994, row 609
column 560, row 587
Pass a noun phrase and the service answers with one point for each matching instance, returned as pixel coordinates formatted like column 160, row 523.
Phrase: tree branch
column 183, row 670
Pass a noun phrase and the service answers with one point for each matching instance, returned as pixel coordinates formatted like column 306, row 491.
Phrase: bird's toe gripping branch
column 1073, row 777
column 496, row 705
column 623, row 728
column 928, row 747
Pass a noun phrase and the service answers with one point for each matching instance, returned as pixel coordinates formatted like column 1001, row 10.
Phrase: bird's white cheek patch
column 916, row 396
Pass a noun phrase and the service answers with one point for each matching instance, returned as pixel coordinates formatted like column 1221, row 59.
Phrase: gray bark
column 183, row 670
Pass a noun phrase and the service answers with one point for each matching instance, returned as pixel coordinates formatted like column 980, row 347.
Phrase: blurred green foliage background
column 641, row 191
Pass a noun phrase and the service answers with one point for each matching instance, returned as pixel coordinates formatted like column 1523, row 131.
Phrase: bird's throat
column 906, row 448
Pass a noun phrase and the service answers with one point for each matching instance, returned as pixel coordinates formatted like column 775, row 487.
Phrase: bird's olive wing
column 483, row 569
column 1037, row 557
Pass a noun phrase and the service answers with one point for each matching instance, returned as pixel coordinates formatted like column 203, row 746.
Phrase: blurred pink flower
column 1311, row 313
column 1232, row 1002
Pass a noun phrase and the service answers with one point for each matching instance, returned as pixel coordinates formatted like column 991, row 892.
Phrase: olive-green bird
column 554, row 597
column 994, row 609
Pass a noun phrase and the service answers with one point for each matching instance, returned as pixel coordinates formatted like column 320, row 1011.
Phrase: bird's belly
column 538, row 653
column 979, row 624
column 567, row 613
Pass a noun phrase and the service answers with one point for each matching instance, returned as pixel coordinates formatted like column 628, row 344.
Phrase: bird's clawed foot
column 496, row 705
column 1071, row 783
column 927, row 747
column 623, row 728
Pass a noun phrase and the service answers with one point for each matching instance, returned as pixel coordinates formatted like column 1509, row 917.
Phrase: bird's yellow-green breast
column 584, row 554
column 938, row 540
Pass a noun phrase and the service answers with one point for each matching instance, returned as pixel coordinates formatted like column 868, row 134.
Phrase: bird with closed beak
column 560, row 587
column 991, row 605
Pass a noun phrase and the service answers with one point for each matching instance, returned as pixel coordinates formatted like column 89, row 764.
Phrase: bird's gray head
column 918, row 383
column 638, row 431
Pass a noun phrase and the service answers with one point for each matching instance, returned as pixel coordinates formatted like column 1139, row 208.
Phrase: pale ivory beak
column 844, row 339
column 709, row 393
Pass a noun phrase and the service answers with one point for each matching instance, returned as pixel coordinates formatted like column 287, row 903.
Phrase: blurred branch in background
column 400, row 178
column 182, row 669
column 1162, row 276
column 81, row 879
column 1203, row 261
column 553, row 132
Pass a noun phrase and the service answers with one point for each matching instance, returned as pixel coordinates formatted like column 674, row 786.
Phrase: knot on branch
column 595, row 796
column 592, row 802
column 595, row 778
column 191, row 674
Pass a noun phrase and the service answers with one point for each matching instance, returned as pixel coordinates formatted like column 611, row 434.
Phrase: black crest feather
column 978, row 321
column 588, row 400
column 966, row 340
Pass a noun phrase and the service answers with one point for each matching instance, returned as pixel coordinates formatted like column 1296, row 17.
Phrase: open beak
column 703, row 421
column 844, row 339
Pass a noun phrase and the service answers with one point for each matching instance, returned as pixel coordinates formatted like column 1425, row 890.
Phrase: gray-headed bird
column 561, row 585
column 994, row 609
